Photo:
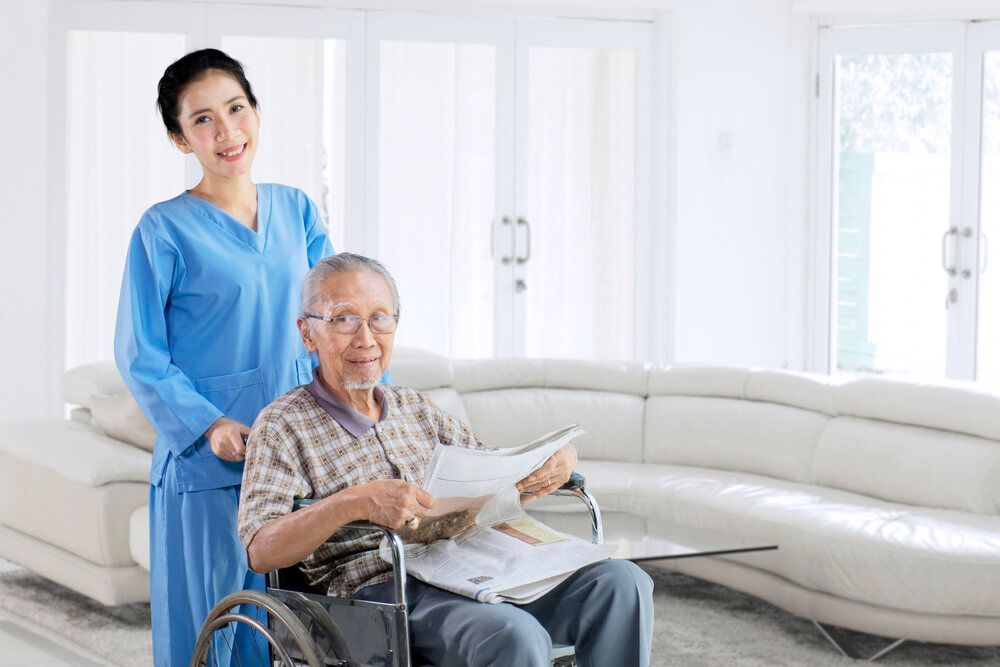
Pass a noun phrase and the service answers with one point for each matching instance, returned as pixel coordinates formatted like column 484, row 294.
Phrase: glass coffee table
column 671, row 541
column 659, row 540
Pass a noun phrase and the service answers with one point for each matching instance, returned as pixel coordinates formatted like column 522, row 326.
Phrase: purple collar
column 353, row 421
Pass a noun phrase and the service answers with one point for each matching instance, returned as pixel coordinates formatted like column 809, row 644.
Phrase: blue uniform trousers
column 196, row 559
column 605, row 610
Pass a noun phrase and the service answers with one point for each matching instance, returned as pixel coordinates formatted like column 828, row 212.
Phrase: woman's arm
column 317, row 244
column 142, row 352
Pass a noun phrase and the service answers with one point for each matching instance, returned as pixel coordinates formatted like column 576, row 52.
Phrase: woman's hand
column 226, row 438
column 554, row 473
column 394, row 503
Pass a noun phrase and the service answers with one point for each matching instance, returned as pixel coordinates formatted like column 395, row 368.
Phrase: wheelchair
column 303, row 628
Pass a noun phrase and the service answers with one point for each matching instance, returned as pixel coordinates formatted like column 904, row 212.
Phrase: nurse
column 206, row 337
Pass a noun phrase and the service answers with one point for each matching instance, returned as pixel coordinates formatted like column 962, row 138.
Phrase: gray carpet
column 697, row 624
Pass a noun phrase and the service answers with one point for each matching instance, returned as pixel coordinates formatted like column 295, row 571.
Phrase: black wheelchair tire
column 223, row 614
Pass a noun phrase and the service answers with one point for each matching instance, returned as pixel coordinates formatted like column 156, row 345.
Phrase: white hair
column 345, row 262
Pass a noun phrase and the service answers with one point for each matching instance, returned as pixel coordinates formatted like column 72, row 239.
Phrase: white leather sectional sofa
column 883, row 495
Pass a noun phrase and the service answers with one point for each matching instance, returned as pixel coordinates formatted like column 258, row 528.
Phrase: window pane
column 894, row 124
column 988, row 358
column 119, row 162
column 301, row 85
column 581, row 203
column 437, row 158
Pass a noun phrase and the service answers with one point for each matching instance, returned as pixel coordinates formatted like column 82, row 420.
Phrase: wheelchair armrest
column 576, row 487
column 395, row 546
column 576, row 481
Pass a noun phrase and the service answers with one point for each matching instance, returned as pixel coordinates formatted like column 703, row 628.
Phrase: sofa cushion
column 82, row 382
column 624, row 377
column 719, row 381
column 962, row 407
column 853, row 546
column 88, row 521
column 512, row 417
column 419, row 369
column 809, row 391
column 118, row 416
column 730, row 434
column 910, row 464
column 76, row 451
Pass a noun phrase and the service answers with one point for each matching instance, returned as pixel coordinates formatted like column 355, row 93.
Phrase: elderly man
column 363, row 449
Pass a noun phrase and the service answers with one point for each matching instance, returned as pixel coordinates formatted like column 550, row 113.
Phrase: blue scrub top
column 206, row 321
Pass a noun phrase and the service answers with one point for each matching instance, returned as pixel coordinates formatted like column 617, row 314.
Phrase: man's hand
column 226, row 438
column 554, row 473
column 394, row 503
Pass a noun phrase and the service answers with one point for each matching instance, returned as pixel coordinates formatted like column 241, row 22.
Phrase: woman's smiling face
column 219, row 125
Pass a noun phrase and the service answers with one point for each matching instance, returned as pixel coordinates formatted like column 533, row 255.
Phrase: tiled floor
column 28, row 646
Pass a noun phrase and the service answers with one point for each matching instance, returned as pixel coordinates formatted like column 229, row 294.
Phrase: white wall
column 740, row 108
column 25, row 374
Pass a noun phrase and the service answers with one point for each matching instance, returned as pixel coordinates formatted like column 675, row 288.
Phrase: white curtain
column 581, row 203
column 118, row 162
column 437, row 162
column 301, row 86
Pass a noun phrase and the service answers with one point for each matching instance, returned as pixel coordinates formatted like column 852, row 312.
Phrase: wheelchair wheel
column 237, row 633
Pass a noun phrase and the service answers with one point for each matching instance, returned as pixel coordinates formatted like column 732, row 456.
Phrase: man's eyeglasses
column 348, row 324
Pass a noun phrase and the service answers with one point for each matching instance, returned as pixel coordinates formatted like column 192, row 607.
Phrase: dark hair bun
column 185, row 70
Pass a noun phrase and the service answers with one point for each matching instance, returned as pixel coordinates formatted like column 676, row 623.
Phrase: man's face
column 350, row 361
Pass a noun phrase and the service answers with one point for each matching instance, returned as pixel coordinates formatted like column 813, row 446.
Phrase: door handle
column 950, row 269
column 523, row 259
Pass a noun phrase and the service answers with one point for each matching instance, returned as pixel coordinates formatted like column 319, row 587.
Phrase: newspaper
column 477, row 540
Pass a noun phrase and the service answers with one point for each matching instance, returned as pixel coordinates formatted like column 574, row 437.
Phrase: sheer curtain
column 581, row 203
column 118, row 162
column 301, row 86
column 437, row 160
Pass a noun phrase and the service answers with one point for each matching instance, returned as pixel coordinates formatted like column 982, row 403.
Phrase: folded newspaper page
column 478, row 541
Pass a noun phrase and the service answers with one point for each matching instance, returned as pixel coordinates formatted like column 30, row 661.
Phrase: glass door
column 983, row 195
column 439, row 177
column 581, row 166
column 891, row 191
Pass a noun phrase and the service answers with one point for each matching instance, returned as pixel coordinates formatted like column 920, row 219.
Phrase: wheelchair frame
column 345, row 632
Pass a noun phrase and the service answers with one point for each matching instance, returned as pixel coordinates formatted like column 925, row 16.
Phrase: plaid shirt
column 297, row 449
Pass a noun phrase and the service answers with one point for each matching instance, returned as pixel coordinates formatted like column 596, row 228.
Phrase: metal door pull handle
column 952, row 231
column 523, row 259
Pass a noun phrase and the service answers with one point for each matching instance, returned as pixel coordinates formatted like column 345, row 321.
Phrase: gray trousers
column 605, row 610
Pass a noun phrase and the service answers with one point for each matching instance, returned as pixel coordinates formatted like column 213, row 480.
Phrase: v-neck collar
column 227, row 223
